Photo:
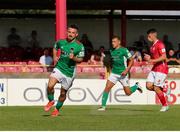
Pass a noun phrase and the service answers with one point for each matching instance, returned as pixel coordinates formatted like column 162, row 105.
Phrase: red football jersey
column 158, row 49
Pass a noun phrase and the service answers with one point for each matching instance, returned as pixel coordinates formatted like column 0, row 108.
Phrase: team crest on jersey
column 62, row 51
column 72, row 50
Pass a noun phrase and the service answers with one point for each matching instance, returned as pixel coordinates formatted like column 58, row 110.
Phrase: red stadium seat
column 23, row 69
column 45, row 69
column 11, row 69
column 20, row 63
column 33, row 63
column 2, row 69
column 78, row 69
column 8, row 63
column 99, row 69
column 87, row 69
column 133, row 69
column 137, row 63
column 136, row 69
column 144, row 63
column 36, row 69
column 146, row 69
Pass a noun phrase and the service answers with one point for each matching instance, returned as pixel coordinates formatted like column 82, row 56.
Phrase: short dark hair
column 74, row 26
column 13, row 29
column 116, row 37
column 152, row 30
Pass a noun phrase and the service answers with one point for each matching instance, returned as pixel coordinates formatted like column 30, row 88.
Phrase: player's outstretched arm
column 130, row 64
column 55, row 58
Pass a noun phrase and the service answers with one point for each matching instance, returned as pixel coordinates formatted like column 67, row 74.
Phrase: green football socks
column 133, row 88
column 51, row 97
column 104, row 98
column 59, row 105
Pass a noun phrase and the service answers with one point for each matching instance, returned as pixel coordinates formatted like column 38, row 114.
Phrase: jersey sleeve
column 81, row 52
column 127, row 54
column 57, row 45
column 161, row 49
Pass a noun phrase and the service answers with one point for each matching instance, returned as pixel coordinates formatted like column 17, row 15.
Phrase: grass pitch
column 122, row 117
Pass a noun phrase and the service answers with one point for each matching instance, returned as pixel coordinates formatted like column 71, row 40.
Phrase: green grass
column 122, row 117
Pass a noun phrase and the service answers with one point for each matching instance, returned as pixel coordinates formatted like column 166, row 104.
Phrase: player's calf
column 129, row 90
column 162, row 99
column 60, row 102
column 167, row 91
column 50, row 95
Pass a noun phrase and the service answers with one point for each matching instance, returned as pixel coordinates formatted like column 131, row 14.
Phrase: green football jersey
column 65, row 64
column 119, row 59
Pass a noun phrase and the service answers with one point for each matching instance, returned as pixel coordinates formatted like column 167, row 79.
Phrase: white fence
column 32, row 92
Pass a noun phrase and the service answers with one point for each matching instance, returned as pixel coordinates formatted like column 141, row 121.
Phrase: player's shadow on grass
column 148, row 110
column 46, row 115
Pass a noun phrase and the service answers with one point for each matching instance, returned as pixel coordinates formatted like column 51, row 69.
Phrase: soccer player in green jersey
column 72, row 52
column 120, row 69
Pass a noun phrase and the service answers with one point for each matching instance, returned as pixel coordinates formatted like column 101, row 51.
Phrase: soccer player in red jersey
column 158, row 74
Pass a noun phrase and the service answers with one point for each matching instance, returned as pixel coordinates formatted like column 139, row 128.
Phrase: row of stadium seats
column 147, row 69
column 30, row 62
column 91, row 69
column 138, row 69
column 86, row 71
column 40, row 69
column 100, row 71
column 34, row 66
column 21, row 66
column 22, row 69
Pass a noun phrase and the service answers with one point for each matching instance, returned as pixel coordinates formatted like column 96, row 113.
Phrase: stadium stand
column 25, row 60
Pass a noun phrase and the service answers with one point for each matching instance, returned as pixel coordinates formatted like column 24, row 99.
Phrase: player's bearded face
column 152, row 36
column 115, row 43
column 72, row 34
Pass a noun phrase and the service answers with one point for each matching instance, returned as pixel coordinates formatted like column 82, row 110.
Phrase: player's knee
column 50, row 89
column 127, row 90
column 149, row 86
column 107, row 89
